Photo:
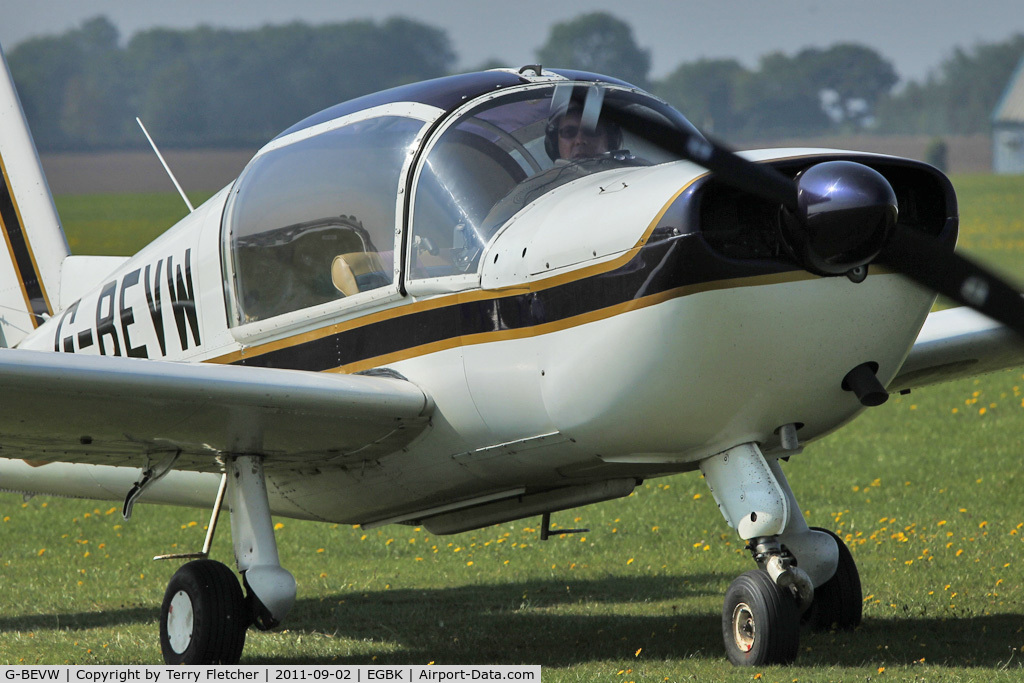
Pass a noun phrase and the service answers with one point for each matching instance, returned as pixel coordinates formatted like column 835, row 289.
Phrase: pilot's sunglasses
column 570, row 132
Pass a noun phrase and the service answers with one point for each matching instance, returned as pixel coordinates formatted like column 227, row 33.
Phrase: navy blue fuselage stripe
column 660, row 266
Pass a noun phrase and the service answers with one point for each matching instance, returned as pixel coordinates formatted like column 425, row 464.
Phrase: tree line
column 208, row 87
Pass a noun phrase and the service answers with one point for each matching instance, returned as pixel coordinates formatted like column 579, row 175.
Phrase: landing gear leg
column 204, row 614
column 761, row 615
column 271, row 587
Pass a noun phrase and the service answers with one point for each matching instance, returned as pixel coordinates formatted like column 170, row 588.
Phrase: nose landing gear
column 760, row 621
column 763, row 608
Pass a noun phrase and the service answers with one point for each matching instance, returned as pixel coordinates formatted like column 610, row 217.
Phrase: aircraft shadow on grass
column 528, row 622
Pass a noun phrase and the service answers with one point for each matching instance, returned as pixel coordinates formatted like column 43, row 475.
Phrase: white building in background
column 1008, row 126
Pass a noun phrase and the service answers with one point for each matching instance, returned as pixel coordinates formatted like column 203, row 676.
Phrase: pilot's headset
column 566, row 101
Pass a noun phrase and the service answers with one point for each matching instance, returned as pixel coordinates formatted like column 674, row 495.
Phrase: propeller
column 838, row 216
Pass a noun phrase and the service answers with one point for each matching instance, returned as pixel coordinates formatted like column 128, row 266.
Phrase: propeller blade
column 928, row 263
column 758, row 179
column 914, row 255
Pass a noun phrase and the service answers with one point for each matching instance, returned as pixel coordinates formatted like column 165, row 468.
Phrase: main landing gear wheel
column 760, row 621
column 838, row 603
column 204, row 617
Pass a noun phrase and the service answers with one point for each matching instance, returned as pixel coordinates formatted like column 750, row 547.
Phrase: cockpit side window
column 515, row 147
column 315, row 220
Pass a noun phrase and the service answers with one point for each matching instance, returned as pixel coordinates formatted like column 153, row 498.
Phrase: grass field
column 928, row 491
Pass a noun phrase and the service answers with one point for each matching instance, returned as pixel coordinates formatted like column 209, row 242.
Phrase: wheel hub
column 743, row 627
column 180, row 619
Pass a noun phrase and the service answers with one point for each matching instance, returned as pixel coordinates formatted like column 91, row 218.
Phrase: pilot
column 570, row 145
column 566, row 138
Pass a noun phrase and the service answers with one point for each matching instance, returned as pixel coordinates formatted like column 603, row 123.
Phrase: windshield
column 503, row 154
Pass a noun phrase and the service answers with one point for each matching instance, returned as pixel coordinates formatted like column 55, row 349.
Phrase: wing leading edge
column 958, row 343
column 57, row 407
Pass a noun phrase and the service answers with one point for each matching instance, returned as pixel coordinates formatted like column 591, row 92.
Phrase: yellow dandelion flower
column 319, row 550
column 629, row 561
column 278, row 526
column 637, row 653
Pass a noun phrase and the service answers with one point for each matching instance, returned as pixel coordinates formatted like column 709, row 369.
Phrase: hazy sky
column 916, row 35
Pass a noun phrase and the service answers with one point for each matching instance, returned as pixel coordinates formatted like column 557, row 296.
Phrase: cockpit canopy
column 321, row 213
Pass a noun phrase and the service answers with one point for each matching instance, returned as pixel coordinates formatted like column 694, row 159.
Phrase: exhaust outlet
column 863, row 382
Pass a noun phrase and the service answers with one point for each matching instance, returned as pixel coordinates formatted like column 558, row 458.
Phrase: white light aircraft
column 479, row 298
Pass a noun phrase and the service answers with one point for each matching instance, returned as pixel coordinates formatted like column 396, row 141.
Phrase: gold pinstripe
column 28, row 245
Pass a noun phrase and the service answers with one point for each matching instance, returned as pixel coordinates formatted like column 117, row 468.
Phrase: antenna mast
column 166, row 167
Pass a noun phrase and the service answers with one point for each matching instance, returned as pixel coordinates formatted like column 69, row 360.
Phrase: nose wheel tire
column 838, row 603
column 203, row 618
column 760, row 621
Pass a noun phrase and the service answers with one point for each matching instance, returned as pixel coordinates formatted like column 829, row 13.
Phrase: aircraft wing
column 956, row 343
column 116, row 411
